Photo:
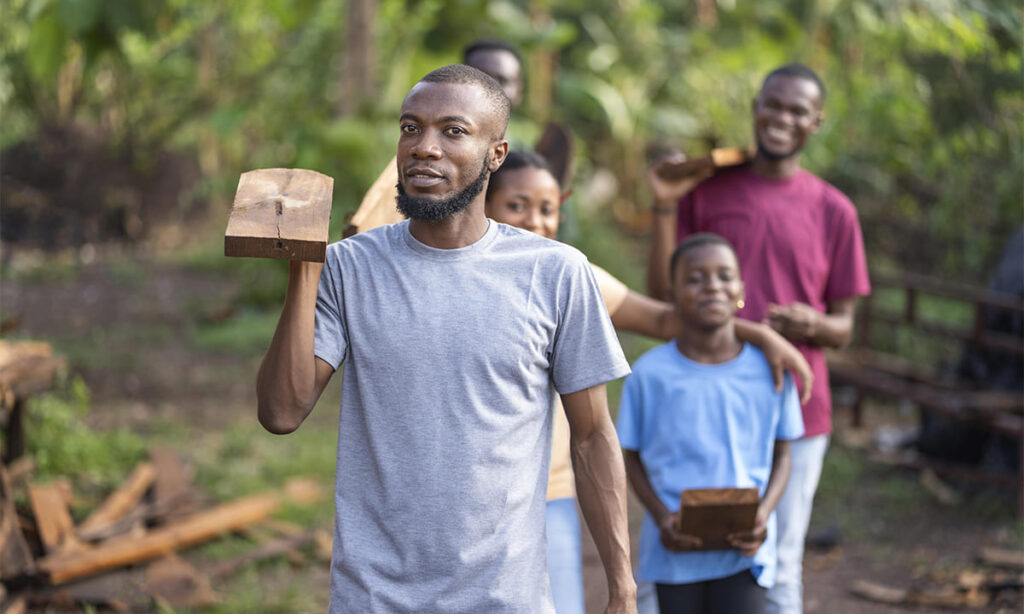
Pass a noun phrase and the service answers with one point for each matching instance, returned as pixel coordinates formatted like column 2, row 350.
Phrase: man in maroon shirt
column 802, row 256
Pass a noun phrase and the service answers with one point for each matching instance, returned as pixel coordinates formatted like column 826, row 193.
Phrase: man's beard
column 430, row 210
column 773, row 155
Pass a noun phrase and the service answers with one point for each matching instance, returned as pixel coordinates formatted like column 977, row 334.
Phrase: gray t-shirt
column 444, row 434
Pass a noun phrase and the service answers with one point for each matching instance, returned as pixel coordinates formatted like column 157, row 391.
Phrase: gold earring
column 740, row 304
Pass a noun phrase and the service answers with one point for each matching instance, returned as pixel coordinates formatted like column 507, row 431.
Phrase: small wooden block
column 713, row 513
column 718, row 158
column 280, row 213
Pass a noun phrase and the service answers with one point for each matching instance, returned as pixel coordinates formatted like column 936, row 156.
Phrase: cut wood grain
column 280, row 213
column 121, row 501
column 193, row 529
column 713, row 513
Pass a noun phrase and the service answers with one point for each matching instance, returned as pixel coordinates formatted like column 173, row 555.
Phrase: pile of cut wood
column 998, row 578
column 122, row 555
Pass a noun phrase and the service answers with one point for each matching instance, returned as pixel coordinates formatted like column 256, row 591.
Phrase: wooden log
column 121, row 501
column 15, row 556
column 280, row 213
column 53, row 521
column 713, row 513
column 173, row 582
column 281, row 546
column 718, row 158
column 1001, row 557
column 378, row 205
column 173, row 494
column 193, row 529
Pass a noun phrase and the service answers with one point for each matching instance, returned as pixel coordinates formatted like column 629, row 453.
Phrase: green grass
column 246, row 333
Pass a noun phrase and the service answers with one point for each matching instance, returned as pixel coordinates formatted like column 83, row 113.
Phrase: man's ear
column 498, row 153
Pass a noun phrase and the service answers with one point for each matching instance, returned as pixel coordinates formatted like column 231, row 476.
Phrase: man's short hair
column 490, row 44
column 460, row 73
column 797, row 70
column 694, row 241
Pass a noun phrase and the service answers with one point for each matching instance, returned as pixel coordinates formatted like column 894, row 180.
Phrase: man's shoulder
column 517, row 240
column 832, row 196
column 374, row 239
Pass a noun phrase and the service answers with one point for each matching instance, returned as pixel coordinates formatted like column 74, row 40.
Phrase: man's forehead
column 792, row 86
column 428, row 99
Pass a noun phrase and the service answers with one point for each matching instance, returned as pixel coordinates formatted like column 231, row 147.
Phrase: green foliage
column 922, row 123
column 62, row 444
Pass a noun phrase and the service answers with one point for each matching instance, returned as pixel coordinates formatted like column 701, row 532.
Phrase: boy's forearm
column 641, row 484
column 778, row 478
column 286, row 383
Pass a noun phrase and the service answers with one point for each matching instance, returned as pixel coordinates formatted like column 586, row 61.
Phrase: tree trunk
column 358, row 58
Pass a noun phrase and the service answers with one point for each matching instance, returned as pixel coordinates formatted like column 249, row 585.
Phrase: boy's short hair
column 692, row 242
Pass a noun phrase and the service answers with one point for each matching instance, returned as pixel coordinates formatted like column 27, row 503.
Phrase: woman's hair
column 514, row 161
column 694, row 241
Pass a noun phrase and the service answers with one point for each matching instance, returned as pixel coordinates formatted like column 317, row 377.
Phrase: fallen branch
column 196, row 528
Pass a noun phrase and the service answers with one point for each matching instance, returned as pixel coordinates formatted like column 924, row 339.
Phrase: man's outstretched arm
column 601, row 488
column 291, row 378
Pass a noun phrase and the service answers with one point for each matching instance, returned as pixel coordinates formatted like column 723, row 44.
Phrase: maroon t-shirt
column 798, row 239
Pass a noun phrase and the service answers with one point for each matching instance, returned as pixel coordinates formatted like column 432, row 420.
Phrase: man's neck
column 709, row 347
column 460, row 230
column 776, row 168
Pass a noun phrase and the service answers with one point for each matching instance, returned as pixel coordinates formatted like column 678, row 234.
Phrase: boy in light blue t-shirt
column 702, row 412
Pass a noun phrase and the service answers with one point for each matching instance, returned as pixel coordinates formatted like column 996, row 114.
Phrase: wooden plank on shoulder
column 280, row 213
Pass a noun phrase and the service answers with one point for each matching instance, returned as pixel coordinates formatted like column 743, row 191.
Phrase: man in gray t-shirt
column 452, row 329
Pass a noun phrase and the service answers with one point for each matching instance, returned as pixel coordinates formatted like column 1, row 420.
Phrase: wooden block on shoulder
column 713, row 513
column 280, row 213
column 718, row 158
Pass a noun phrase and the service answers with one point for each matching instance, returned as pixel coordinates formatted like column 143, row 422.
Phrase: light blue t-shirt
column 444, row 434
column 704, row 426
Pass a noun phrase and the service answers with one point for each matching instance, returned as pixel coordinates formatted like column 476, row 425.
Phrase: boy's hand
column 782, row 357
column 672, row 539
column 749, row 542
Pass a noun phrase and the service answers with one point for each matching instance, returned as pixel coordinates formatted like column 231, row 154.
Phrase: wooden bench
column 908, row 336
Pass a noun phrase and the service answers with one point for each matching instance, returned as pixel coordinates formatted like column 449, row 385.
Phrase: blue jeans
column 565, row 556
column 793, row 515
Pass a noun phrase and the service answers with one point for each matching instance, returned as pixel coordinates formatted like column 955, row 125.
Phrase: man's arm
column 291, row 378
column 666, row 194
column 601, row 488
column 645, row 316
column 801, row 323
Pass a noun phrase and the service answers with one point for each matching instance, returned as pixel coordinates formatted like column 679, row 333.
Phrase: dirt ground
column 124, row 329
